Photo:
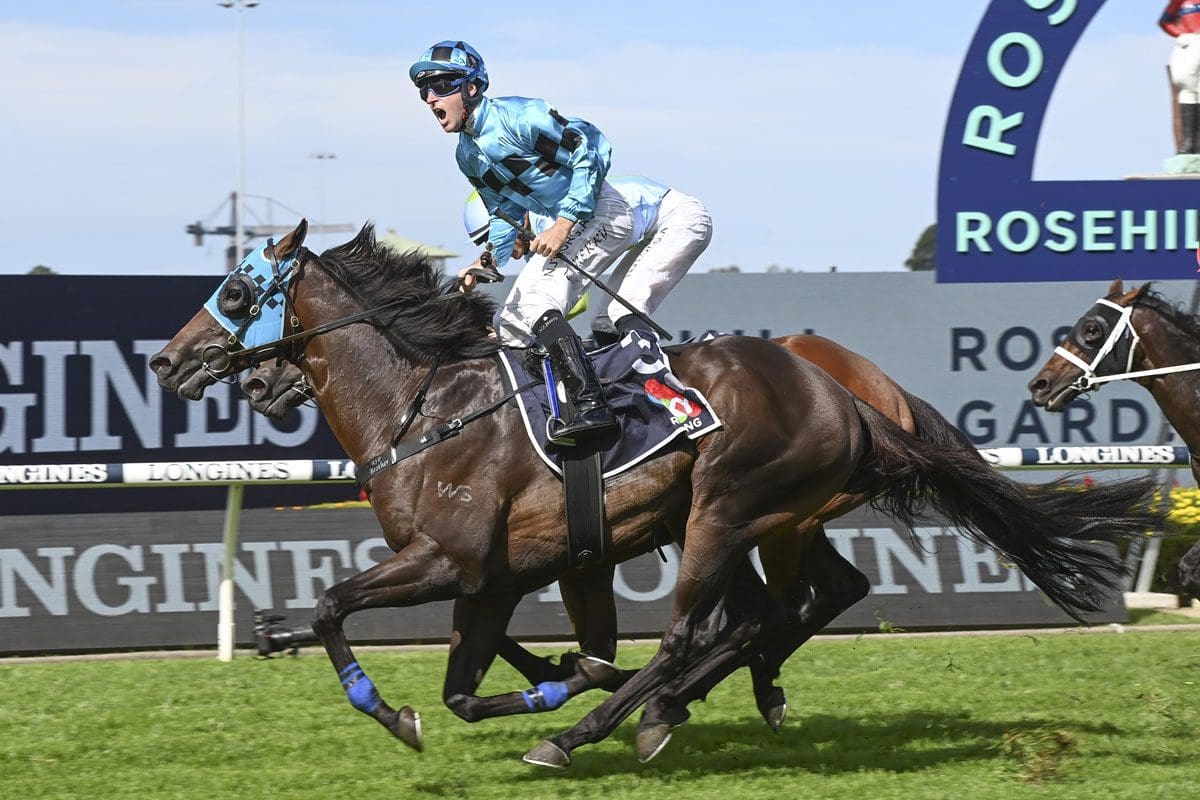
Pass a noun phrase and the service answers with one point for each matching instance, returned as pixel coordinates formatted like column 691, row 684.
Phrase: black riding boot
column 604, row 332
column 1187, row 124
column 592, row 417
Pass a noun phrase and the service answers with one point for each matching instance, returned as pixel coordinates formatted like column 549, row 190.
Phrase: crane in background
column 201, row 228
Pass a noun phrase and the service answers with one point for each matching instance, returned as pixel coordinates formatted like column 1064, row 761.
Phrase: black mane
column 434, row 317
column 1173, row 312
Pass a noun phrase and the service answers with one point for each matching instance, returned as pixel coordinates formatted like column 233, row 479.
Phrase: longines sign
column 995, row 222
column 105, row 581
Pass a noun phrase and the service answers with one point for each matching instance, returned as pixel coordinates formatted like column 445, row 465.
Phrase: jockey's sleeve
column 501, row 235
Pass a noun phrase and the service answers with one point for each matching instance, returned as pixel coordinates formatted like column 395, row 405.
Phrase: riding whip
column 524, row 229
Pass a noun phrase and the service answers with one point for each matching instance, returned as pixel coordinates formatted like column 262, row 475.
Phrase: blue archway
column 995, row 222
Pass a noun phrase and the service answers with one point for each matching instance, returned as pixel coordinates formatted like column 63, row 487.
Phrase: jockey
column 1181, row 19
column 522, row 155
column 670, row 231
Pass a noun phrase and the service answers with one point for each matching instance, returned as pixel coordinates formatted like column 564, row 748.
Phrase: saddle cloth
column 651, row 404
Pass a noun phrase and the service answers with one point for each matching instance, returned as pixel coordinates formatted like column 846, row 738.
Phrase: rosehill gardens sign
column 995, row 222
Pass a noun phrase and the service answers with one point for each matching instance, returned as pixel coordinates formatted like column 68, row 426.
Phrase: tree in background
column 730, row 268
column 42, row 269
column 922, row 258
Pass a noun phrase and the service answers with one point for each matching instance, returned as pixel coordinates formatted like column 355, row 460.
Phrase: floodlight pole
column 239, row 200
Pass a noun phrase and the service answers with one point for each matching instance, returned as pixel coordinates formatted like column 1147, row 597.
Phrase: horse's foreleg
column 479, row 626
column 587, row 596
column 533, row 668
column 417, row 573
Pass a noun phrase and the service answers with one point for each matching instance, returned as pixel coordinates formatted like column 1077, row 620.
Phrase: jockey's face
column 451, row 111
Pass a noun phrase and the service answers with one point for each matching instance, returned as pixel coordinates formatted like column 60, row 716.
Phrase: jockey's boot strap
column 592, row 417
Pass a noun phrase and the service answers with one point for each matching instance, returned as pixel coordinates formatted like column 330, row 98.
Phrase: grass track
column 1054, row 716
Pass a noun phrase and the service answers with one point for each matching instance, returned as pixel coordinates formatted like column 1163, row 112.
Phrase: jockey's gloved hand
column 486, row 272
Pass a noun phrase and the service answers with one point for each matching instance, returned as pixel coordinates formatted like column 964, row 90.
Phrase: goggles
column 442, row 85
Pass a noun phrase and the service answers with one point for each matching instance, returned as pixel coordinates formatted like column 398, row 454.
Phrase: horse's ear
column 1118, row 287
column 1141, row 290
column 286, row 247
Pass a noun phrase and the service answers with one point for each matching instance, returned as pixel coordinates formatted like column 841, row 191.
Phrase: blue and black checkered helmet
column 451, row 56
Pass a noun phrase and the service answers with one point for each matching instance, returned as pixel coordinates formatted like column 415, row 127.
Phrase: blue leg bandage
column 359, row 688
column 546, row 696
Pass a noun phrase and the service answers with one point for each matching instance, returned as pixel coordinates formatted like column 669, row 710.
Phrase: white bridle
column 1123, row 326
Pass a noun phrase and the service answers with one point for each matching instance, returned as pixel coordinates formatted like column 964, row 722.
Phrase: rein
column 397, row 452
column 1123, row 326
column 279, row 347
column 273, row 348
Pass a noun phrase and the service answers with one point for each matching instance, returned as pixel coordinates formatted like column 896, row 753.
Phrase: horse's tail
column 932, row 427
column 1046, row 530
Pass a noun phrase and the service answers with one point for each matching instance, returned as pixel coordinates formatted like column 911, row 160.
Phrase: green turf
column 1050, row 716
column 1154, row 616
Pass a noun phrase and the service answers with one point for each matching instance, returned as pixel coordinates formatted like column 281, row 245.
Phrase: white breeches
column 652, row 268
column 550, row 284
column 1185, row 67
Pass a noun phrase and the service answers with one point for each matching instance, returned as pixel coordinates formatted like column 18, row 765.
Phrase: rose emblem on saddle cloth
column 680, row 408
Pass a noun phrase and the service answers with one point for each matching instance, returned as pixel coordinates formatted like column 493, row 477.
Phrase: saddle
column 654, row 410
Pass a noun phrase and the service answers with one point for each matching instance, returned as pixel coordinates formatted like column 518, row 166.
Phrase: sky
column 812, row 134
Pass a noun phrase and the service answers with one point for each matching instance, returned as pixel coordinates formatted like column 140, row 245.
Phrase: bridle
column 290, row 346
column 234, row 354
column 1115, row 355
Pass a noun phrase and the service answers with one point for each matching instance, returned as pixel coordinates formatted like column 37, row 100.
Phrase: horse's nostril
column 254, row 388
column 160, row 362
column 1037, row 385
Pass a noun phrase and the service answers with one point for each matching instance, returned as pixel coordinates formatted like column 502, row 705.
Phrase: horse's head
column 1102, row 342
column 246, row 310
column 276, row 387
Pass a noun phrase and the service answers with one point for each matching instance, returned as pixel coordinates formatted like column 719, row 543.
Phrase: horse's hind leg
column 695, row 630
column 747, row 598
column 587, row 596
column 479, row 626
column 813, row 596
column 815, row 584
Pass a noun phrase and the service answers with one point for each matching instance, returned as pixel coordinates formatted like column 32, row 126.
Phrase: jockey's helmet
column 458, row 58
column 476, row 218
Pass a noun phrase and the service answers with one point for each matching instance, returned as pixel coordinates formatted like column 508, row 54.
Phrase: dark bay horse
column 793, row 440
column 1135, row 331
column 820, row 581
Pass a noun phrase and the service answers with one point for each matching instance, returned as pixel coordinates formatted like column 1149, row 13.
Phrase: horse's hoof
column 773, row 708
column 599, row 671
column 651, row 740
column 775, row 717
column 406, row 726
column 547, row 754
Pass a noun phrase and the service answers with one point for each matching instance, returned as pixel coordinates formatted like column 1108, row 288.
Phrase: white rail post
column 1149, row 564
column 233, row 512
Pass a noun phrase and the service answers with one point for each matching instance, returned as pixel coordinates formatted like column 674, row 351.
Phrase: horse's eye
column 236, row 298
column 1091, row 332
